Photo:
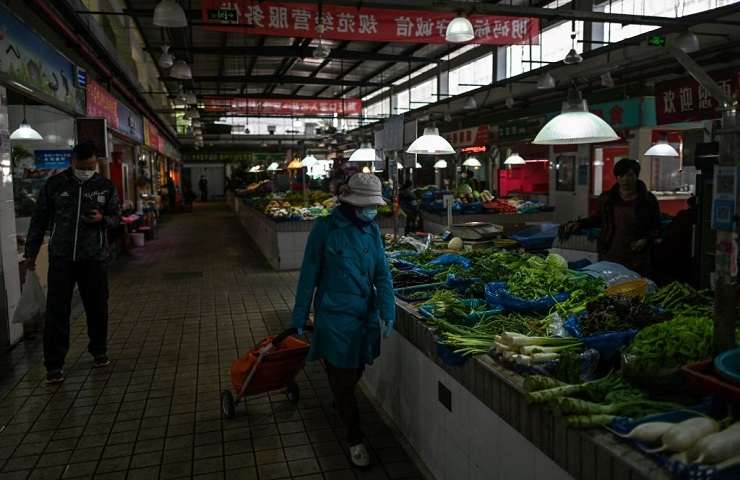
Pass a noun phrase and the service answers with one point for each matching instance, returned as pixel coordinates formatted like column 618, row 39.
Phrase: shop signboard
column 152, row 139
column 100, row 103
column 52, row 159
column 30, row 63
column 130, row 123
column 469, row 136
column 518, row 129
column 233, row 157
column 278, row 106
column 622, row 114
column 349, row 22
column 684, row 100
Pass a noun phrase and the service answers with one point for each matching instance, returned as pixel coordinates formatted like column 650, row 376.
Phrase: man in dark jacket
column 629, row 218
column 203, row 186
column 78, row 206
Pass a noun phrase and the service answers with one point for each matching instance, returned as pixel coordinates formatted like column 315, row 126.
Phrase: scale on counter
column 477, row 231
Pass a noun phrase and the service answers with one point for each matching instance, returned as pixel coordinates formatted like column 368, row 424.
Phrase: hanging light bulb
column 459, row 30
column 472, row 162
column 25, row 131
column 431, row 144
column 166, row 60
column 181, row 71
column 575, row 125
column 573, row 57
column 470, row 104
column 662, row 149
column 688, row 42
column 514, row 159
column 169, row 13
column 322, row 51
column 545, row 81
column 442, row 163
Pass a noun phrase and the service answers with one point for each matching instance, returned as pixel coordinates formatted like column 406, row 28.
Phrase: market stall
column 280, row 231
column 512, row 365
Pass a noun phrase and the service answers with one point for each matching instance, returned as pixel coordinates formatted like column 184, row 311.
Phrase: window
column 374, row 94
column 381, row 108
column 477, row 72
column 424, row 93
column 554, row 45
column 401, row 102
column 415, row 74
column 614, row 32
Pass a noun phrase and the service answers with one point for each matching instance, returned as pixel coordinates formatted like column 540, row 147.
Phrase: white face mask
column 84, row 175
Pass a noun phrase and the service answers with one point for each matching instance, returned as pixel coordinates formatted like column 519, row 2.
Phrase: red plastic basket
column 703, row 380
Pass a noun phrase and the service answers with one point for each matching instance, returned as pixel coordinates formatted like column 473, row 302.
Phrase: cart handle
column 289, row 332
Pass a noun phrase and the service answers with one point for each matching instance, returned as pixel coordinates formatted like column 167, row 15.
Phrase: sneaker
column 101, row 361
column 359, row 455
column 54, row 377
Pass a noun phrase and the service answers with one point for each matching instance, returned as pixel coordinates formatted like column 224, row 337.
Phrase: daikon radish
column 649, row 432
column 682, row 436
column 718, row 446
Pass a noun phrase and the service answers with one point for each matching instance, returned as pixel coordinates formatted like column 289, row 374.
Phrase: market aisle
column 181, row 310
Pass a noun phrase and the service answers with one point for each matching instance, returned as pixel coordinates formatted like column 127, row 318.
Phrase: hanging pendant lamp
column 309, row 161
column 431, row 144
column 366, row 153
column 181, row 71
column 166, row 60
column 575, row 125
column 545, row 81
column 662, row 149
column 688, row 42
column 472, row 162
column 169, row 13
column 441, row 164
column 25, row 131
column 459, row 30
column 514, row 159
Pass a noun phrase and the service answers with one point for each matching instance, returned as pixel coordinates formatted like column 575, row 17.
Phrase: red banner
column 474, row 136
column 100, row 103
column 684, row 100
column 152, row 138
column 300, row 20
column 258, row 106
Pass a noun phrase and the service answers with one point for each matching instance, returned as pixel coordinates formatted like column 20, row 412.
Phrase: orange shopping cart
column 269, row 366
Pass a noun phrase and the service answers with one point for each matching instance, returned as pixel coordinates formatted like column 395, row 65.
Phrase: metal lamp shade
column 472, row 162
column 25, row 132
column 576, row 125
column 514, row 159
column 309, row 161
column 431, row 144
column 181, row 71
column 440, row 164
column 545, row 82
column 166, row 60
column 662, row 149
column 365, row 153
column 168, row 13
column 459, row 30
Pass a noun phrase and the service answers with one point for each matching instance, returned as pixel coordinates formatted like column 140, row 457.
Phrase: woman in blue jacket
column 345, row 275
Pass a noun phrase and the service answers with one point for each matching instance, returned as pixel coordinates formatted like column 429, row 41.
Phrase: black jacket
column 647, row 213
column 61, row 204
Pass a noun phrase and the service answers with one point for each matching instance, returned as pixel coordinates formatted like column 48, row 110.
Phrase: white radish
column 730, row 462
column 682, row 436
column 649, row 432
column 718, row 446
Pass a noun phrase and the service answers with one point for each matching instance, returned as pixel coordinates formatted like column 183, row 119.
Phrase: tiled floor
column 182, row 309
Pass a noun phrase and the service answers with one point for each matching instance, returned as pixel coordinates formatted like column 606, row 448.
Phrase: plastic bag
column 612, row 273
column 498, row 295
column 537, row 237
column 451, row 259
column 608, row 344
column 460, row 283
column 32, row 305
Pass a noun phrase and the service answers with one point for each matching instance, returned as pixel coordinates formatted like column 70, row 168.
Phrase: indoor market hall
column 370, row 240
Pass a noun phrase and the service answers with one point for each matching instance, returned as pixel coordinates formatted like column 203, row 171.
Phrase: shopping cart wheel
column 294, row 393
column 227, row 404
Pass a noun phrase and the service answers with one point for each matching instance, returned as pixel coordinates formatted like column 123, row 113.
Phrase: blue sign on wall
column 130, row 123
column 53, row 159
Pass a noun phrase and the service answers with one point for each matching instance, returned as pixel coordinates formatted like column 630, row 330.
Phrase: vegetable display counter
column 473, row 421
column 281, row 243
column 435, row 223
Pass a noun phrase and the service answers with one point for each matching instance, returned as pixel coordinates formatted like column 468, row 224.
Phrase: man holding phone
column 77, row 206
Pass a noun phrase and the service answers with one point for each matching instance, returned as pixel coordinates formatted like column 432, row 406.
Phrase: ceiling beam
column 278, row 79
column 323, row 64
column 298, row 52
column 288, row 63
column 358, row 64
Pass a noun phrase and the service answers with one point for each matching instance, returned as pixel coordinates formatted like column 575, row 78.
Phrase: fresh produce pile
column 610, row 313
column 538, row 278
column 678, row 297
column 594, row 403
column 529, row 350
column 292, row 206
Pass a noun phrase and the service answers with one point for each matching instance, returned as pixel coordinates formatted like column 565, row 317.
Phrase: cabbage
column 556, row 261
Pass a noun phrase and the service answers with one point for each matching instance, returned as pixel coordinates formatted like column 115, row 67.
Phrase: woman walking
column 345, row 275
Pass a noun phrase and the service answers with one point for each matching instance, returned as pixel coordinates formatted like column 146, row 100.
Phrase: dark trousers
column 343, row 382
column 92, row 280
column 204, row 195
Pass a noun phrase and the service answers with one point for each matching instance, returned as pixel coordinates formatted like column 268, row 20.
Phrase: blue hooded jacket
column 345, row 274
